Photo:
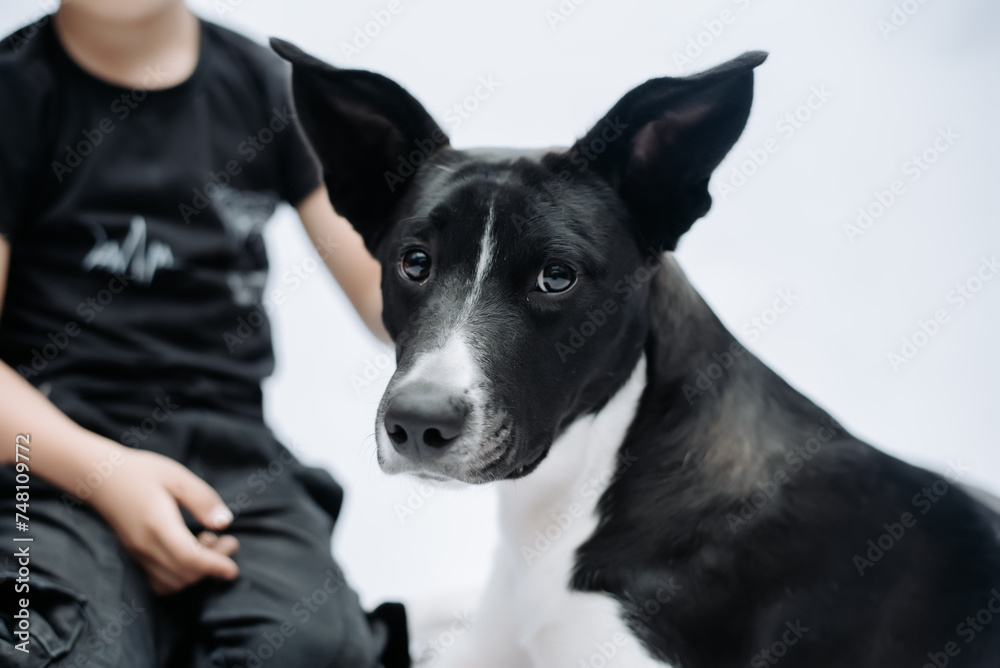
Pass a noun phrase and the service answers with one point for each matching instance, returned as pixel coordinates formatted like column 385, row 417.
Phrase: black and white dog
column 668, row 500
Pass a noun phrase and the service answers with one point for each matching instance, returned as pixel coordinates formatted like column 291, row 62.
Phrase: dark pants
column 91, row 605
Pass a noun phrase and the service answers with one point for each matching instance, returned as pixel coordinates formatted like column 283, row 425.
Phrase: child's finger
column 208, row 538
column 191, row 559
column 198, row 496
column 227, row 545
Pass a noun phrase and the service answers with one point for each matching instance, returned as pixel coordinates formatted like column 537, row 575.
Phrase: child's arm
column 357, row 272
column 140, row 498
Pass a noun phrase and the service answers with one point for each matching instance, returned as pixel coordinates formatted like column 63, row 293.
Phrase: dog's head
column 514, row 283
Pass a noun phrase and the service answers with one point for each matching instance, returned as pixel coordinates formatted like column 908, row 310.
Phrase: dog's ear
column 368, row 132
column 658, row 146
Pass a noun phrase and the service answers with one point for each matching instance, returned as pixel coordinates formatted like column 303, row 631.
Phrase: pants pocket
column 56, row 619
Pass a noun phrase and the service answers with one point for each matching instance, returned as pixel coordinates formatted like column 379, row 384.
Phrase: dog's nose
column 423, row 420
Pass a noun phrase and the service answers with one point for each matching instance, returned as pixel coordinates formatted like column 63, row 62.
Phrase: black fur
column 740, row 573
column 736, row 531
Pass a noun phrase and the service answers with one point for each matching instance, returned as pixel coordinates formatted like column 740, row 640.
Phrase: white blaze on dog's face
column 449, row 373
column 514, row 283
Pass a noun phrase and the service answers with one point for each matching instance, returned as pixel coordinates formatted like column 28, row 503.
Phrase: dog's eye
column 556, row 277
column 415, row 265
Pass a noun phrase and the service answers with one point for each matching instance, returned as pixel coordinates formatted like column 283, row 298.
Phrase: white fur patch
column 452, row 367
column 529, row 617
column 482, row 265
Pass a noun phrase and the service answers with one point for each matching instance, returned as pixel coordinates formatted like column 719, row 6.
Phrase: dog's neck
column 720, row 415
column 706, row 440
column 684, row 331
column 695, row 448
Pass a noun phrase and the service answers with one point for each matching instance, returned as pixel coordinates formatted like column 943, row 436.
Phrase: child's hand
column 140, row 502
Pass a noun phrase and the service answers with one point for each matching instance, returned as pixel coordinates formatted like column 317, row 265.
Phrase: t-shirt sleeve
column 22, row 109
column 299, row 172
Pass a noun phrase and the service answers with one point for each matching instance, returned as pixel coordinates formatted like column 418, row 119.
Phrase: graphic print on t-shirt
column 243, row 213
column 132, row 255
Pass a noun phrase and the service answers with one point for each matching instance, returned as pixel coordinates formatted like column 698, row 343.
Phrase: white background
column 783, row 229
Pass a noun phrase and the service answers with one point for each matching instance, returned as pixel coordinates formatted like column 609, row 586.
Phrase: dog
column 666, row 499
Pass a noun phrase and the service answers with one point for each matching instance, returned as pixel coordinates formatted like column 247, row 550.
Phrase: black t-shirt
column 134, row 217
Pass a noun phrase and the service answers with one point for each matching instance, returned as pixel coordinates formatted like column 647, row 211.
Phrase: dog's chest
column 545, row 517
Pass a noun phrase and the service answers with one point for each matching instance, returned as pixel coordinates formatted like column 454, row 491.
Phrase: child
column 142, row 152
